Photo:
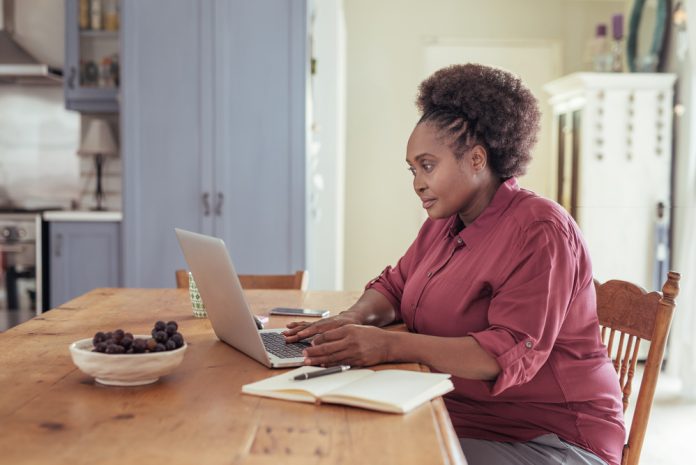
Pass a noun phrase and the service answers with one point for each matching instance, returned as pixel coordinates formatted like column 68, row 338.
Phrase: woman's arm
column 372, row 308
column 459, row 356
column 364, row 346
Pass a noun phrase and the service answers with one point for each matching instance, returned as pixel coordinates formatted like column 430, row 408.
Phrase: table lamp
column 98, row 142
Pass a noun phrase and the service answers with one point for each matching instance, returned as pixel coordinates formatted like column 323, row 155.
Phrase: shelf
column 85, row 45
column 99, row 34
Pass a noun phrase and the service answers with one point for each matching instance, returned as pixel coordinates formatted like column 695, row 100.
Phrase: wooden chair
column 627, row 315
column 258, row 281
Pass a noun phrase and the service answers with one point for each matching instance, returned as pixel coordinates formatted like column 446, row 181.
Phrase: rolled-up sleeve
column 527, row 310
column 392, row 280
column 390, row 283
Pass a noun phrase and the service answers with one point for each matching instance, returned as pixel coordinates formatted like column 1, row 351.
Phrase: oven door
column 18, row 271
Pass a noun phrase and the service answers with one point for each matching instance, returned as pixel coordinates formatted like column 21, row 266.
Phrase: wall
column 385, row 66
column 38, row 141
column 39, row 166
column 38, row 137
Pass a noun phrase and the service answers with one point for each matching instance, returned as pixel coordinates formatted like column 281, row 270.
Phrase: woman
column 496, row 289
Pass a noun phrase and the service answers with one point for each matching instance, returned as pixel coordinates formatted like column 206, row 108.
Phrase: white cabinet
column 213, row 132
column 613, row 139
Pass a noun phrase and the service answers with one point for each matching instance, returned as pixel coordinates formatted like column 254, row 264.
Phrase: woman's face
column 446, row 184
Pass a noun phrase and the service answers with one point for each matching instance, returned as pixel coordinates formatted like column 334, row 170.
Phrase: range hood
column 17, row 66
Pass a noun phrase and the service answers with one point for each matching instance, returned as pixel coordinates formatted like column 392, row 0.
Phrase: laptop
column 227, row 308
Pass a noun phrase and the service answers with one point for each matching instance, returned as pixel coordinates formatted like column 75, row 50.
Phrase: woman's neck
column 482, row 199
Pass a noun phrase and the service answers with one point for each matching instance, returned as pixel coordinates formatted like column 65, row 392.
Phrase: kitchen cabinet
column 83, row 255
column 217, row 143
column 614, row 152
column 91, row 74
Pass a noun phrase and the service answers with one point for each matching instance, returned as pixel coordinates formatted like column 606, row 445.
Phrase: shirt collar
column 476, row 231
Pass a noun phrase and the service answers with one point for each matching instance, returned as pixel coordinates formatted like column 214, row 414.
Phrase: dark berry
column 170, row 345
column 130, row 335
column 108, row 335
column 118, row 335
column 139, row 346
column 99, row 337
column 114, row 349
column 173, row 323
column 178, row 340
column 151, row 344
column 130, row 351
column 100, row 347
column 127, row 342
column 160, row 348
column 160, row 326
column 160, row 336
column 171, row 329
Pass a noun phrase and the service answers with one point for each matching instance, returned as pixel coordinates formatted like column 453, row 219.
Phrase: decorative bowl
column 124, row 369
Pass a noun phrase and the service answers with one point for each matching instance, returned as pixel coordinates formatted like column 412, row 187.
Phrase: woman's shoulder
column 531, row 209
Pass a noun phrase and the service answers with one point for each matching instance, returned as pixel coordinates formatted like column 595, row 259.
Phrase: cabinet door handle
column 218, row 204
column 206, row 204
column 71, row 78
column 58, row 248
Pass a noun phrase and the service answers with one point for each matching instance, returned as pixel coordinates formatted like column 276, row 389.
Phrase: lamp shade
column 98, row 139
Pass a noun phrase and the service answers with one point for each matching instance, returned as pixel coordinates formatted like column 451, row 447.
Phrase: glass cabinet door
column 92, row 71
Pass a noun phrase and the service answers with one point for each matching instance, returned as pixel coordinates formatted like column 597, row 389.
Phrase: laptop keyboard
column 275, row 344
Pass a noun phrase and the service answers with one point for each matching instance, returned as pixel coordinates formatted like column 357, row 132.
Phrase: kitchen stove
column 21, row 283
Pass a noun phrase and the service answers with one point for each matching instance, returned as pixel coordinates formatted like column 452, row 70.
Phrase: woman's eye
column 412, row 170
column 428, row 167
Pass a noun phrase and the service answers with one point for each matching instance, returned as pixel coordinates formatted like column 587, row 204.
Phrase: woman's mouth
column 428, row 203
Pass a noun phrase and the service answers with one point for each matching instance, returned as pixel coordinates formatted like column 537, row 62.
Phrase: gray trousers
column 548, row 449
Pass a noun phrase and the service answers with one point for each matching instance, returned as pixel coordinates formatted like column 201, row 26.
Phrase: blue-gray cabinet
column 216, row 144
column 91, row 73
column 82, row 256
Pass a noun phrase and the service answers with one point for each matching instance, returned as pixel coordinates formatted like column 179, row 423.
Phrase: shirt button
column 528, row 344
column 430, row 273
column 460, row 241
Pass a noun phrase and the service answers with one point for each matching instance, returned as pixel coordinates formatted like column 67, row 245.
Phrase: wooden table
column 52, row 413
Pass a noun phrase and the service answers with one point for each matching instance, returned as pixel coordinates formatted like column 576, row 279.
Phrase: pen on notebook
column 327, row 371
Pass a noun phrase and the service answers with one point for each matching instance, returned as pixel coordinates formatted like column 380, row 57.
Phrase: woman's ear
column 479, row 158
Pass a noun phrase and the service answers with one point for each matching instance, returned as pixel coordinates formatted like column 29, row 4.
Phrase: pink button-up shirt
column 519, row 281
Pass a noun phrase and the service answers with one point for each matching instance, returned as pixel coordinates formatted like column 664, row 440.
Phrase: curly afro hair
column 475, row 104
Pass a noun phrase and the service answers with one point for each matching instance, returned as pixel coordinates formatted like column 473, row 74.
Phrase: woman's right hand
column 298, row 330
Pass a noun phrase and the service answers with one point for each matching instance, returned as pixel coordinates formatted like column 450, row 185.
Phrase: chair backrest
column 258, row 281
column 627, row 315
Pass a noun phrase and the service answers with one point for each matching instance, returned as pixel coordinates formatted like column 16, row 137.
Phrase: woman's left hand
column 353, row 345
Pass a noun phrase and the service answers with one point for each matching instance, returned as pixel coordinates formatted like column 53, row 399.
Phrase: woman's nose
column 418, row 184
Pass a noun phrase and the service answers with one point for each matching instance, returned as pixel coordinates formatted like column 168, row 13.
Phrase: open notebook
column 395, row 391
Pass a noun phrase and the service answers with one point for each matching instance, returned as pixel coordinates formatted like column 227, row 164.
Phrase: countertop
column 82, row 215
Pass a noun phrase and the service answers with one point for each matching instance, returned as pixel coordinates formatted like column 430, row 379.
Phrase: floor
column 671, row 428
